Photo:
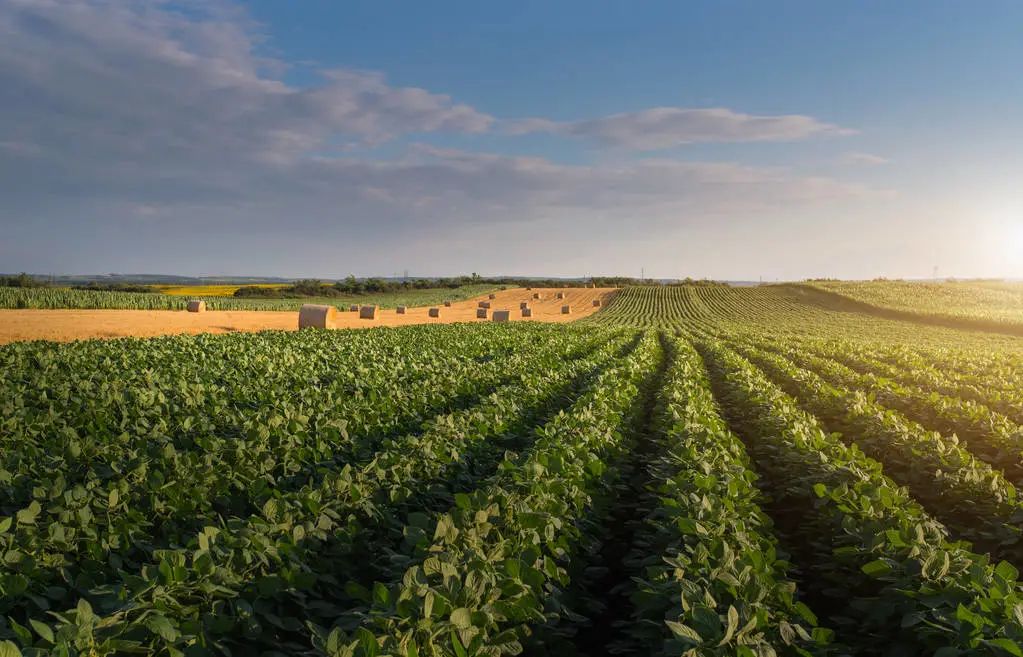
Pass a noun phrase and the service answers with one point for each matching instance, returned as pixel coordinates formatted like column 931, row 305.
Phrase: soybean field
column 691, row 471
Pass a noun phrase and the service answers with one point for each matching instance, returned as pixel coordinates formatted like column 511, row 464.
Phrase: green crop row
column 997, row 389
column 878, row 569
column 709, row 578
column 990, row 435
column 103, row 484
column 295, row 548
column 973, row 499
column 482, row 572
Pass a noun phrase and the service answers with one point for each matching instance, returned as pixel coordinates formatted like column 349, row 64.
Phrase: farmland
column 79, row 324
column 692, row 470
column 205, row 291
column 995, row 302
column 216, row 297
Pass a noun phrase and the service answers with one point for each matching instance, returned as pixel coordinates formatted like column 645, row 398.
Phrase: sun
column 1000, row 230
column 1012, row 236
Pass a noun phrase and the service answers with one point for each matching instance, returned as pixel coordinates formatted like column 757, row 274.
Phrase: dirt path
column 66, row 325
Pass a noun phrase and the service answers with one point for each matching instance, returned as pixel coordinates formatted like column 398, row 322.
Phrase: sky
column 729, row 140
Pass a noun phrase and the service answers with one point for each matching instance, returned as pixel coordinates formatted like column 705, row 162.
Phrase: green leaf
column 684, row 631
column 428, row 604
column 27, row 516
column 461, row 618
column 457, row 645
column 381, row 596
column 1006, row 571
column 806, row 613
column 1008, row 645
column 733, row 624
column 163, row 627
column 965, row 615
column 84, row 610
column 368, row 641
column 8, row 649
column 42, row 629
column 877, row 568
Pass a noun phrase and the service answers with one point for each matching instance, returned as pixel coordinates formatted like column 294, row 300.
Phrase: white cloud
column 128, row 128
column 668, row 127
column 116, row 83
column 867, row 159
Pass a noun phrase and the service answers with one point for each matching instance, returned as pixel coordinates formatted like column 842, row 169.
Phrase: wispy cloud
column 668, row 127
column 119, row 82
column 119, row 118
column 867, row 159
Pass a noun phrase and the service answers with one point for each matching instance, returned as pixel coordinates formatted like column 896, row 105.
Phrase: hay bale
column 527, row 312
column 400, row 310
column 196, row 306
column 481, row 313
column 368, row 312
column 501, row 315
column 316, row 316
column 566, row 310
column 447, row 303
column 434, row 312
column 523, row 304
column 561, row 295
column 492, row 296
column 484, row 304
column 537, row 295
column 354, row 308
column 596, row 303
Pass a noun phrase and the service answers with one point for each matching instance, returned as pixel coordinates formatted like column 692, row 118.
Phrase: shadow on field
column 379, row 540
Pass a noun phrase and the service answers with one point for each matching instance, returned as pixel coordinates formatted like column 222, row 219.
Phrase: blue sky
column 724, row 139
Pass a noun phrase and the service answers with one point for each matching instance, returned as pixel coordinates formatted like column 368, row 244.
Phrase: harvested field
column 67, row 325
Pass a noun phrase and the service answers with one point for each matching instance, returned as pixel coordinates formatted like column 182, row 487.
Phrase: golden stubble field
column 67, row 325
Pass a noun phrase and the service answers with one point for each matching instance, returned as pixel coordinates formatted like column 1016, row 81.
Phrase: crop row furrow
column 873, row 564
column 708, row 577
column 299, row 551
column 498, row 559
column 971, row 498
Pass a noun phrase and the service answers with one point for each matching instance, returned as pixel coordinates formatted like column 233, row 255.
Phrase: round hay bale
column 561, row 295
column 434, row 312
column 316, row 316
column 596, row 303
column 368, row 312
column 354, row 308
column 501, row 315
column 447, row 303
column 527, row 312
column 492, row 296
column 196, row 306
column 484, row 304
column 400, row 310
column 523, row 304
column 566, row 310
column 481, row 313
